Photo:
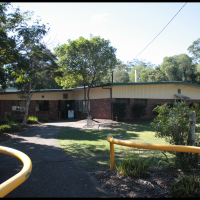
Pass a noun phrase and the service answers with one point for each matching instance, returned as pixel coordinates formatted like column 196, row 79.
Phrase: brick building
column 49, row 103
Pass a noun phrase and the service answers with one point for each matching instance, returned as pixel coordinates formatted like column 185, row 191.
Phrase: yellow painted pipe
column 9, row 185
column 161, row 147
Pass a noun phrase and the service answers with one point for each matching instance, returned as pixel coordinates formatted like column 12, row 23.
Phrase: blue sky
column 130, row 27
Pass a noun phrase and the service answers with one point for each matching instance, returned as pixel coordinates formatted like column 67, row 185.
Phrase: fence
column 162, row 147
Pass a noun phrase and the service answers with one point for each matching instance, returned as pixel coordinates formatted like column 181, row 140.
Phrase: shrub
column 172, row 124
column 14, row 126
column 10, row 116
column 32, row 120
column 5, row 129
column 186, row 187
column 139, row 110
column 119, row 110
column 133, row 166
column 45, row 119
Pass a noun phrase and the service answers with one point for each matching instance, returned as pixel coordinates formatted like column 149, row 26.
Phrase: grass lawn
column 90, row 149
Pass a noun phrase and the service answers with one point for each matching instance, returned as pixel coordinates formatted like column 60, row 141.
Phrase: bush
column 186, row 187
column 32, row 120
column 135, row 166
column 119, row 110
column 139, row 110
column 45, row 119
column 5, row 129
column 10, row 116
column 172, row 124
column 14, row 126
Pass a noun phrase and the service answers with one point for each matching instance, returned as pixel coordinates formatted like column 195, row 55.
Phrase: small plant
column 5, row 129
column 133, row 166
column 9, row 116
column 45, row 119
column 32, row 120
column 14, row 126
column 186, row 187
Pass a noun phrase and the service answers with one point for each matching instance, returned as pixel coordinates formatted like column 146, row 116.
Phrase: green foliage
column 10, row 116
column 13, row 125
column 32, row 120
column 45, row 119
column 186, row 187
column 84, row 62
column 172, row 124
column 135, row 166
column 119, row 110
column 5, row 129
column 138, row 110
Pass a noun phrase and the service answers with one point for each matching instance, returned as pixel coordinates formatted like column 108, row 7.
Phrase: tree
column 194, row 49
column 8, row 52
column 84, row 62
column 156, row 75
column 175, row 126
column 35, row 61
column 120, row 75
column 179, row 68
column 141, row 68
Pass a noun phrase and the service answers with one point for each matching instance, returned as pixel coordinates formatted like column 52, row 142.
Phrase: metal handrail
column 9, row 185
column 162, row 147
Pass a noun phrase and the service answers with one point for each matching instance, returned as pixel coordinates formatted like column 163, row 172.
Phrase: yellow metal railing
column 162, row 147
column 9, row 185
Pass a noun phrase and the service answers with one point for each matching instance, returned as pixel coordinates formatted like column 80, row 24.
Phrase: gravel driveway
column 54, row 174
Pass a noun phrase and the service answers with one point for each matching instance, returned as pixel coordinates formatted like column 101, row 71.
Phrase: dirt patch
column 155, row 185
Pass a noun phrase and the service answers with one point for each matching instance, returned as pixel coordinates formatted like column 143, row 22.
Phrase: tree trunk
column 191, row 132
column 26, row 111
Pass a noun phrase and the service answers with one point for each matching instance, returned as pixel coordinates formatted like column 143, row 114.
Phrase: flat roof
column 15, row 91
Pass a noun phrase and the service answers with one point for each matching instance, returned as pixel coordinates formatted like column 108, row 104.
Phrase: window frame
column 38, row 107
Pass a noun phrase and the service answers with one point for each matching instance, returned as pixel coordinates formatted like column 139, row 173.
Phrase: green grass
column 90, row 149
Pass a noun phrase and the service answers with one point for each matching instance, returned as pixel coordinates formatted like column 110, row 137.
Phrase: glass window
column 122, row 100
column 140, row 101
column 18, row 105
column 84, row 110
column 42, row 105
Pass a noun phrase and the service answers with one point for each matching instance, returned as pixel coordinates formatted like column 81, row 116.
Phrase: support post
column 112, row 156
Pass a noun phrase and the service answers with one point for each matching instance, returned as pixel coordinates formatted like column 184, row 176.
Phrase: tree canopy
column 83, row 62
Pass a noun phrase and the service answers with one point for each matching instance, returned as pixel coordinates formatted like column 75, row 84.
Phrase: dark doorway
column 64, row 106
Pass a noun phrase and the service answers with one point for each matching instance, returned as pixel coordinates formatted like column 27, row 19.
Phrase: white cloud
column 99, row 18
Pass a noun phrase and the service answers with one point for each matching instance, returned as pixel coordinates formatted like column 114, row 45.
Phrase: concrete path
column 54, row 174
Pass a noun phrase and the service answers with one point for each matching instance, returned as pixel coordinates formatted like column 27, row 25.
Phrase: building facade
column 57, row 103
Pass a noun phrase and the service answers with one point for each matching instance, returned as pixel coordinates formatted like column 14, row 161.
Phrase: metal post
column 112, row 156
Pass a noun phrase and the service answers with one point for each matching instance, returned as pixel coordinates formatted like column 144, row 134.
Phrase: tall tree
column 8, row 52
column 84, row 62
column 121, row 72
column 179, row 68
column 194, row 49
column 35, row 61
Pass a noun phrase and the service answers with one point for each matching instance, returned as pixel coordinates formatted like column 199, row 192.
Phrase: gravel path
column 54, row 174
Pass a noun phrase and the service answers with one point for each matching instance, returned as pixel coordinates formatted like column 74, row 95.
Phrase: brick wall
column 6, row 106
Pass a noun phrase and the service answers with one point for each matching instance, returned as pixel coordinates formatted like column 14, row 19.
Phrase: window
column 18, row 105
column 140, row 101
column 78, row 105
column 84, row 110
column 42, row 105
column 179, row 91
column 120, row 100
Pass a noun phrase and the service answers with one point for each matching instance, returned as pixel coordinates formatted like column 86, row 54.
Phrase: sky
column 129, row 27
